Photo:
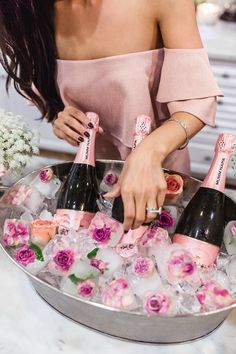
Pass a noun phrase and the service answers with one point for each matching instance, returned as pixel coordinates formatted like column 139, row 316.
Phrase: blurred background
column 217, row 24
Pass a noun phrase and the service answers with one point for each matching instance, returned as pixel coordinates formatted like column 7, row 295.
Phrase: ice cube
column 222, row 279
column 230, row 237
column 113, row 260
column 68, row 286
column 27, row 216
column 174, row 212
column 35, row 267
column 222, row 261
column 141, row 286
column 187, row 304
column 46, row 186
column 231, row 269
column 83, row 270
column 46, row 215
column 34, row 202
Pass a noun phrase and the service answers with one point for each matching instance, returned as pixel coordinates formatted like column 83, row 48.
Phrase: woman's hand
column 141, row 185
column 72, row 125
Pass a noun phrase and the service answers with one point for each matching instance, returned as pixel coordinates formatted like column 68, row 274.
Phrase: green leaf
column 74, row 279
column 93, row 253
column 38, row 251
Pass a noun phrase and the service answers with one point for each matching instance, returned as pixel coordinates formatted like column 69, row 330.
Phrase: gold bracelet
column 183, row 125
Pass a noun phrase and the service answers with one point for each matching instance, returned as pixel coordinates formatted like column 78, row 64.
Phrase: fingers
column 115, row 192
column 129, row 210
column 135, row 204
column 72, row 125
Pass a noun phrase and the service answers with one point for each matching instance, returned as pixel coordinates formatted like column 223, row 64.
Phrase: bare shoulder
column 177, row 21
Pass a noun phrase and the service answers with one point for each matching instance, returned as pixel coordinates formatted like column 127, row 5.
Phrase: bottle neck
column 216, row 176
column 85, row 154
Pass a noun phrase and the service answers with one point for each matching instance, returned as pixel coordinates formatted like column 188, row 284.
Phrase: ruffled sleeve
column 187, row 84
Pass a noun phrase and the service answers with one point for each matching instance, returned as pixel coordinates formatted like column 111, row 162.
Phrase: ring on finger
column 153, row 210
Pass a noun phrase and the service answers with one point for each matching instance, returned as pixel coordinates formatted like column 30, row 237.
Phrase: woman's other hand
column 72, row 125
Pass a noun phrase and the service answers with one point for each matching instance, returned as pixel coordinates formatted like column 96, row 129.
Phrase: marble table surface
column 29, row 326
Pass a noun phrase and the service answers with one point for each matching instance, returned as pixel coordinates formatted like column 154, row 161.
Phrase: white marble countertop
column 29, row 326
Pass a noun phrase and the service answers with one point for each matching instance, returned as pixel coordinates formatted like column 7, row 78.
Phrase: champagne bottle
column 77, row 201
column 142, row 129
column 201, row 225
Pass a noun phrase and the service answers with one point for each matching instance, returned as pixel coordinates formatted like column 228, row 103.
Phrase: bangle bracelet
column 183, row 125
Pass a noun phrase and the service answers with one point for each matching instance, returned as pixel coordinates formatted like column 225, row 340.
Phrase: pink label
column 73, row 219
column 85, row 152
column 216, row 176
column 204, row 253
column 132, row 236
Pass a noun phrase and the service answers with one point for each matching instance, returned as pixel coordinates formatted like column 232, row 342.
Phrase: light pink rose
column 118, row 294
column 157, row 304
column 86, row 289
column 46, row 175
column 180, row 264
column 15, row 232
column 100, row 265
column 143, row 267
column 213, row 296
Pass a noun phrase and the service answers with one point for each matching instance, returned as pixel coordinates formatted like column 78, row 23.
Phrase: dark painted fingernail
column 87, row 134
column 78, row 143
column 90, row 125
column 80, row 139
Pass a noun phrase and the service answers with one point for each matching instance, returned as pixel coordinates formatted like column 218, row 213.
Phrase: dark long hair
column 28, row 51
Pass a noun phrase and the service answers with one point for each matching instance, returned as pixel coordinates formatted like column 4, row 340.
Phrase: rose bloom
column 181, row 264
column 46, row 175
column 143, row 267
column 100, row 265
column 110, row 178
column 213, row 296
column 165, row 220
column 25, row 255
column 86, row 289
column 64, row 259
column 157, row 304
column 101, row 235
column 174, row 184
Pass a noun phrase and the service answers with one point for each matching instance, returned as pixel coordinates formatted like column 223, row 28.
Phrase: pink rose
column 25, row 255
column 157, row 304
column 181, row 264
column 46, row 175
column 86, row 289
column 213, row 296
column 101, row 235
column 143, row 267
column 174, row 185
column 155, row 237
column 100, row 265
column 17, row 195
column 15, row 232
column 64, row 259
column 118, row 294
column 110, row 178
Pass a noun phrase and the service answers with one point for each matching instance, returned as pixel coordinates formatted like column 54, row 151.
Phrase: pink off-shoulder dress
column 156, row 83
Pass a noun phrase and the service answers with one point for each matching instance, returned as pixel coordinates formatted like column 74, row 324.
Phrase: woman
column 118, row 59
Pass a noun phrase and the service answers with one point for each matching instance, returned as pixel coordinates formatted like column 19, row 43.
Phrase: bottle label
column 216, row 176
column 86, row 149
column 73, row 219
column 204, row 253
column 224, row 149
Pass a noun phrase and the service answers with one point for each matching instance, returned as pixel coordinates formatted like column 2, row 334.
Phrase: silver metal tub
column 125, row 325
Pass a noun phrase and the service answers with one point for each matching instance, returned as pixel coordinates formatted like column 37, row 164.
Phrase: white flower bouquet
column 18, row 142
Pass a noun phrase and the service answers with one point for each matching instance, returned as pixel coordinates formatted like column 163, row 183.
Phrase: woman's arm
column 142, row 183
